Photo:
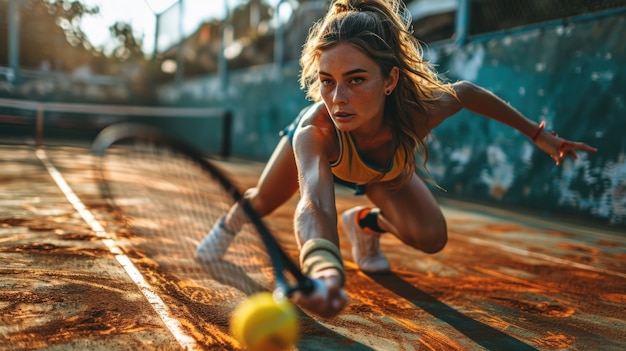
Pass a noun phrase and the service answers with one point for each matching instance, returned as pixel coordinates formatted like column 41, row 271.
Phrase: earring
column 387, row 92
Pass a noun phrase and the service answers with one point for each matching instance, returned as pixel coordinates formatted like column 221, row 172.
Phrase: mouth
column 342, row 116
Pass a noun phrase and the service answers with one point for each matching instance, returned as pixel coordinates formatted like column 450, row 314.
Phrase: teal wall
column 570, row 75
column 574, row 78
column 262, row 100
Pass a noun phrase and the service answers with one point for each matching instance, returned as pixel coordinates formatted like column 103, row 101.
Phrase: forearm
column 316, row 230
column 316, row 214
column 481, row 101
column 484, row 102
column 311, row 221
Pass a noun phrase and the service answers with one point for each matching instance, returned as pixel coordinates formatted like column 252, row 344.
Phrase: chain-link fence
column 493, row 15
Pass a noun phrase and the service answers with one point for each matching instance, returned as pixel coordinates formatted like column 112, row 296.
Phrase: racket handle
column 320, row 301
column 305, row 285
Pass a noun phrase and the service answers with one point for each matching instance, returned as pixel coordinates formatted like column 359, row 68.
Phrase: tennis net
column 26, row 121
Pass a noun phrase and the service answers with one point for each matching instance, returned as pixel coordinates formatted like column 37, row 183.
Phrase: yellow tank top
column 351, row 168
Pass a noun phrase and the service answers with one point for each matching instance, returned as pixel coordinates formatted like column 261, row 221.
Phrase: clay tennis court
column 504, row 282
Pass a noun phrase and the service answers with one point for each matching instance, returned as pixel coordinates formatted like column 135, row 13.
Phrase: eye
column 326, row 81
column 357, row 80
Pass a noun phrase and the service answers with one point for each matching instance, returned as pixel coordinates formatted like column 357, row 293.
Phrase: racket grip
column 307, row 286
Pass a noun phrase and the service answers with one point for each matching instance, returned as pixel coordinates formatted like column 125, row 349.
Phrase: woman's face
column 353, row 88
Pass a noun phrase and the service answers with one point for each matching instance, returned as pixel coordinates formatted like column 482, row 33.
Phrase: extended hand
column 559, row 148
column 329, row 297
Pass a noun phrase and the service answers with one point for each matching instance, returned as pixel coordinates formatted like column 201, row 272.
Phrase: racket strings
column 170, row 203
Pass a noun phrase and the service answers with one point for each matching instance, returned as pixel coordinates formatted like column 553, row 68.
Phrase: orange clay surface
column 504, row 282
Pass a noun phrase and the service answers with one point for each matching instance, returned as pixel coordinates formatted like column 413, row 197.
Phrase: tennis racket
column 170, row 194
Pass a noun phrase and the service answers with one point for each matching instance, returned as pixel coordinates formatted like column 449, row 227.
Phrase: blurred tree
column 67, row 15
column 129, row 48
column 51, row 37
column 49, row 34
column 51, row 40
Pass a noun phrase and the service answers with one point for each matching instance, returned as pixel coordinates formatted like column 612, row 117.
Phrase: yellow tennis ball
column 262, row 323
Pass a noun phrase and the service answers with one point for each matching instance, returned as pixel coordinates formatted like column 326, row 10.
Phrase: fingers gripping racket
column 171, row 193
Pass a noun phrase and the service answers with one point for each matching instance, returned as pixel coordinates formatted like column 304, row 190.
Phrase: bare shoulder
column 316, row 132
column 316, row 120
column 313, row 114
column 463, row 88
column 446, row 105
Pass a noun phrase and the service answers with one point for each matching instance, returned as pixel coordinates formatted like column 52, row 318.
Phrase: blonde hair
column 382, row 30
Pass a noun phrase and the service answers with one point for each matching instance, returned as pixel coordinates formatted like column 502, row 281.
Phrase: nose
column 340, row 94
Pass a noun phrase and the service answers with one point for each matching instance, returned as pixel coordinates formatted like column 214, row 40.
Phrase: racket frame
column 121, row 132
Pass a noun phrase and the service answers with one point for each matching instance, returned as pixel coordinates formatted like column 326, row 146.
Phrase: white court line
column 186, row 341
column 527, row 253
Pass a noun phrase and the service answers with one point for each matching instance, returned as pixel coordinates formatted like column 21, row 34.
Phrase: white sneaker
column 365, row 246
column 214, row 245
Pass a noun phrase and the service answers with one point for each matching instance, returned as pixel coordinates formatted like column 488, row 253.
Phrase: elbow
column 472, row 96
column 464, row 90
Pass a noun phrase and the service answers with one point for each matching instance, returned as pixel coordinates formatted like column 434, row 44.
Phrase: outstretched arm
column 315, row 224
column 484, row 102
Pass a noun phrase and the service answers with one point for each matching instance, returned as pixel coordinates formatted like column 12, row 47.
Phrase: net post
column 227, row 122
column 39, row 132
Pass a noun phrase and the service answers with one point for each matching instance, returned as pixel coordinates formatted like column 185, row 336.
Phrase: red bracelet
column 541, row 126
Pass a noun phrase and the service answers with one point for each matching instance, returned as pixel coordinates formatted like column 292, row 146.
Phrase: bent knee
column 434, row 244
column 430, row 240
column 252, row 196
column 261, row 205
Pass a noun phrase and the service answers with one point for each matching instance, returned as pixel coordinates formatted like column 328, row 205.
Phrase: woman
column 375, row 102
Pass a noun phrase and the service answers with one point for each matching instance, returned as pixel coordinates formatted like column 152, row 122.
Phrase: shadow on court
column 481, row 333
